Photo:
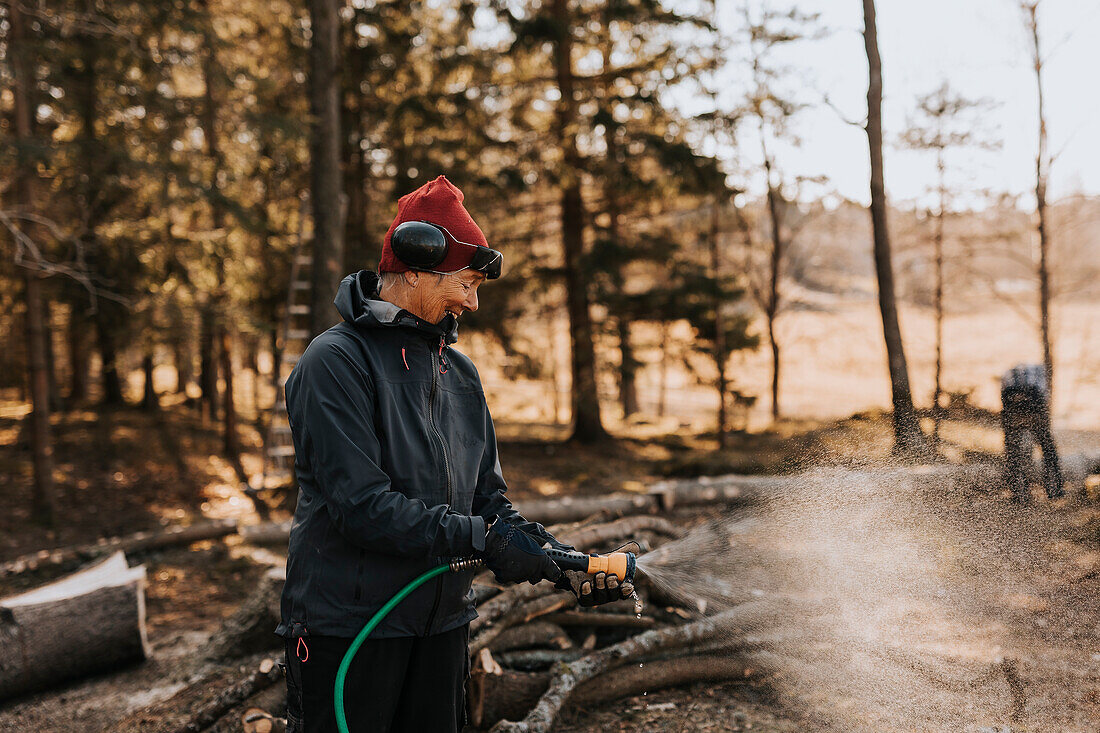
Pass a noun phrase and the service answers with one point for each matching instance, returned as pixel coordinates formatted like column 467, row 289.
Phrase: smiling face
column 454, row 293
column 431, row 296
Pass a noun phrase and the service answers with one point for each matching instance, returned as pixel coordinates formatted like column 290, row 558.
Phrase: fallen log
column 493, row 697
column 267, row 533
column 736, row 489
column 87, row 622
column 205, row 686
column 538, row 607
column 495, row 608
column 484, row 588
column 537, row 660
column 266, row 675
column 568, row 509
column 656, row 675
column 137, row 542
column 271, row 700
column 733, row 489
column 586, row 618
column 535, row 634
column 568, row 676
column 510, row 694
column 589, row 538
column 251, row 627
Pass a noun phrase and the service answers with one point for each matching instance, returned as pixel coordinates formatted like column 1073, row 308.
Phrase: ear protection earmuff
column 419, row 245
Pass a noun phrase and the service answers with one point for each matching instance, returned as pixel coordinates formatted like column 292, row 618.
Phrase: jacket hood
column 358, row 303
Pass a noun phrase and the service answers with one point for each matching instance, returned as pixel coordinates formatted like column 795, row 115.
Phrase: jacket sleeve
column 330, row 400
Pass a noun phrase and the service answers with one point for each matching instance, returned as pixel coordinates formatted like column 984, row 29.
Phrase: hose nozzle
column 620, row 564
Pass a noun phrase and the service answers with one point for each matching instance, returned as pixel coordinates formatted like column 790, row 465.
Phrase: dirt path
column 910, row 610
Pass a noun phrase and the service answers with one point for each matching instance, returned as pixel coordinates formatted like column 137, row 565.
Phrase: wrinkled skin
column 431, row 296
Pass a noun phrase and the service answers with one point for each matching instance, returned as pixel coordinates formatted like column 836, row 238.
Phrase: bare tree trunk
column 326, row 147
column 178, row 340
column 181, row 358
column 771, row 310
column 628, row 365
column 105, row 338
column 937, row 409
column 208, row 377
column 719, row 325
column 42, row 449
column 149, row 401
column 43, row 503
column 357, row 249
column 551, row 327
column 662, row 384
column 587, row 425
column 253, row 347
column 628, row 369
column 774, row 343
column 908, row 438
column 87, row 102
column 78, row 356
column 55, row 401
column 231, row 442
column 220, row 331
column 1042, row 174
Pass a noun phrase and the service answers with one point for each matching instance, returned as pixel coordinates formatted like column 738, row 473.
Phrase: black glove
column 515, row 556
column 594, row 591
column 536, row 530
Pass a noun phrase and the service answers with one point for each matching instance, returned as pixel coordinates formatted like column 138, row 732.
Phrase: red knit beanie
column 436, row 202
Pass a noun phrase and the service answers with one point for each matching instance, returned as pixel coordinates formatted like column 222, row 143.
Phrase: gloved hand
column 536, row 530
column 594, row 591
column 514, row 556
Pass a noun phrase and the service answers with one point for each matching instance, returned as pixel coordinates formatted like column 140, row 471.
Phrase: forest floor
column 942, row 612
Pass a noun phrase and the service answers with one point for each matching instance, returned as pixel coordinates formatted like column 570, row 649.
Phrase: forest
column 784, row 386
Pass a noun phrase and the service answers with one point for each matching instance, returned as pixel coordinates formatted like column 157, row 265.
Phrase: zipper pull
column 443, row 365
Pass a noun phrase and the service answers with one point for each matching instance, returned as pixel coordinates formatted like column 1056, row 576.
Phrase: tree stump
column 87, row 622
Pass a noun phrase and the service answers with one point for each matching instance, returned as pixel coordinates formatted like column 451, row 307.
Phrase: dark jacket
column 397, row 468
column 1025, row 396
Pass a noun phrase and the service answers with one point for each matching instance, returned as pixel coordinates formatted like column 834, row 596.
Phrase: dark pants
column 396, row 685
column 1026, row 421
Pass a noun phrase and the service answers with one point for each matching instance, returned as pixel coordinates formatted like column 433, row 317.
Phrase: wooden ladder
column 278, row 453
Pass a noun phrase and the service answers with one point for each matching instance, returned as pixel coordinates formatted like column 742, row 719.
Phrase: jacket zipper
column 446, row 472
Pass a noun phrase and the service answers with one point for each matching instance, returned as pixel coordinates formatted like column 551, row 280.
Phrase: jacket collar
column 358, row 302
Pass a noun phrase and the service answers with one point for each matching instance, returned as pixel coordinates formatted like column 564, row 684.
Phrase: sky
column 981, row 49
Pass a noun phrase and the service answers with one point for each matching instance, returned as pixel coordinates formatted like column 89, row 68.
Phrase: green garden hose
column 338, row 695
column 620, row 564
